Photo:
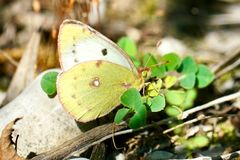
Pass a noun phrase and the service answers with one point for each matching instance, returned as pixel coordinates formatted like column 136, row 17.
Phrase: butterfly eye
column 104, row 52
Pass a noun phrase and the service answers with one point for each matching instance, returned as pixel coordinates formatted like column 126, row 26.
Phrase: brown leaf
column 7, row 150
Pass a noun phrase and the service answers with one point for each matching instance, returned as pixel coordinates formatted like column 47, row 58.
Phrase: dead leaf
column 7, row 150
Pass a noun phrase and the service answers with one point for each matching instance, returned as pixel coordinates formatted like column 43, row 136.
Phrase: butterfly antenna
column 158, row 64
column 144, row 65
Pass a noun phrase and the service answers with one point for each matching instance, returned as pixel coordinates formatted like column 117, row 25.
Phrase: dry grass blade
column 25, row 71
column 9, row 58
column 7, row 151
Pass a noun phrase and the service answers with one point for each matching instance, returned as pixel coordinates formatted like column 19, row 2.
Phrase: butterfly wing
column 92, row 89
column 78, row 42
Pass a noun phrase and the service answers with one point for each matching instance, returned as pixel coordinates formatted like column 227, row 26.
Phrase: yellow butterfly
column 96, row 72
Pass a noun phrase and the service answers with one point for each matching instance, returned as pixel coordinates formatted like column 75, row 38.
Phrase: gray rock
column 45, row 123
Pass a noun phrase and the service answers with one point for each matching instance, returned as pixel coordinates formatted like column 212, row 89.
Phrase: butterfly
column 95, row 72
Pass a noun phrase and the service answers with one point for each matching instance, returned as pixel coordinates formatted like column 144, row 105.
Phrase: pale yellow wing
column 78, row 42
column 92, row 89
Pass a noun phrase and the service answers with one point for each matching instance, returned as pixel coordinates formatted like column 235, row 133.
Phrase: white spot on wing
column 96, row 83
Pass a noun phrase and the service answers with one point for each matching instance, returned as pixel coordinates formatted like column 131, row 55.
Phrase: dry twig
column 9, row 58
column 186, row 113
column 83, row 141
column 234, row 55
